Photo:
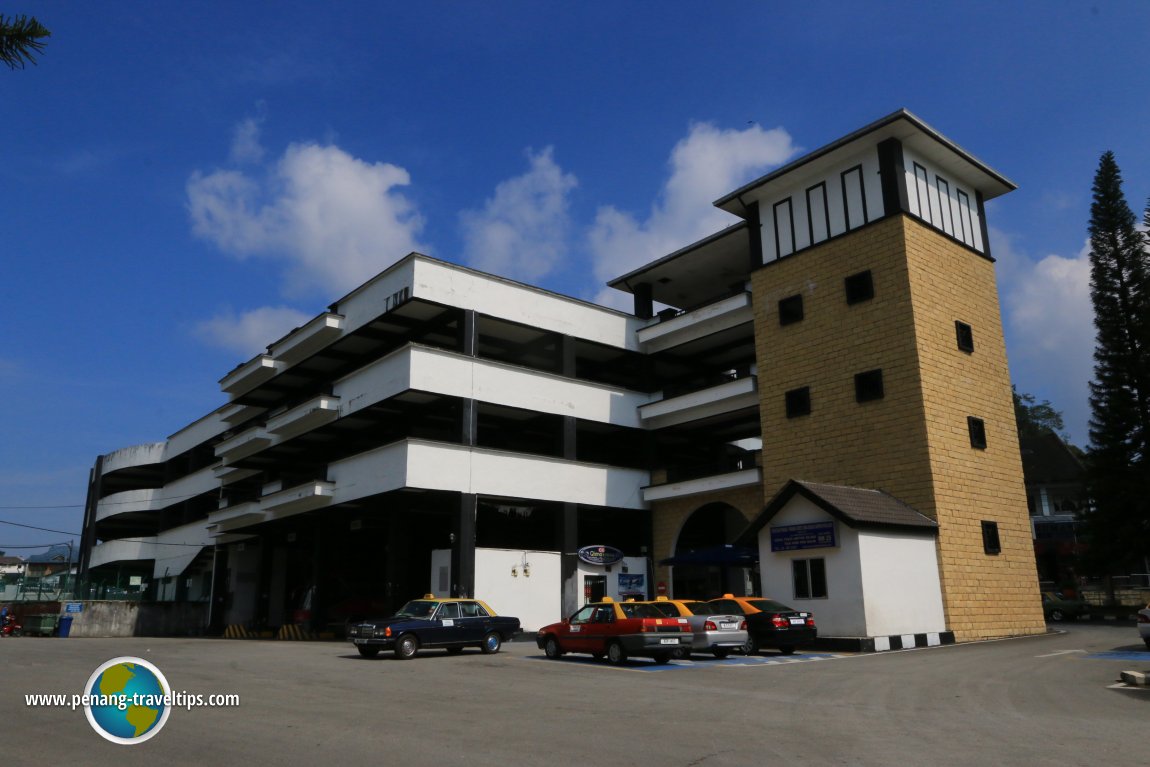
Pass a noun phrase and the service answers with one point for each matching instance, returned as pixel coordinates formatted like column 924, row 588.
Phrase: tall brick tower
column 880, row 354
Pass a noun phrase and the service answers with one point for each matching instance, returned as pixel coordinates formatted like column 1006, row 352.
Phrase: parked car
column 616, row 631
column 452, row 624
column 712, row 630
column 1144, row 625
column 1056, row 607
column 770, row 624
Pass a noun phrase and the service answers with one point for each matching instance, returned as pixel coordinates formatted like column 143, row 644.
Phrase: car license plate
column 798, row 622
column 729, row 625
column 361, row 641
column 668, row 641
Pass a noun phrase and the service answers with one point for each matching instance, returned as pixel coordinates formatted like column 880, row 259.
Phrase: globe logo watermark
column 127, row 700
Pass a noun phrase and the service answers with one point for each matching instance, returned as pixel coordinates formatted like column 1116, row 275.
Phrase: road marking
column 645, row 666
column 1134, row 655
column 1060, row 652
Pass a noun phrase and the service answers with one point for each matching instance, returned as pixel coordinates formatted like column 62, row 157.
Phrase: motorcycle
column 10, row 628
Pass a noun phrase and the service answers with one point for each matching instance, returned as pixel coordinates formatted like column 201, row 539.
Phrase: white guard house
column 862, row 561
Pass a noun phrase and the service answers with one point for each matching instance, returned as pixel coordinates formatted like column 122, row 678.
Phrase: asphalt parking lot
column 1044, row 700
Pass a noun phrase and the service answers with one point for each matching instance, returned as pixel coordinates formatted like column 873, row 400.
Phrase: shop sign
column 600, row 555
column 813, row 535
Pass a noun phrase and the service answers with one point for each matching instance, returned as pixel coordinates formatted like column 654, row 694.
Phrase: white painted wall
column 901, row 584
column 444, row 372
column 797, row 192
column 134, row 455
column 878, row 583
column 942, row 207
column 842, row 613
column 634, row 565
column 456, row 468
column 497, row 297
column 532, row 594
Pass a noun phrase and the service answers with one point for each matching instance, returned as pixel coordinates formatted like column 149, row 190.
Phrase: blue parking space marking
column 1141, row 656
column 647, row 666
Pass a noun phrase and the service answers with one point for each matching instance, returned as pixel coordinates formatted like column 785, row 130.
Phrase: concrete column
column 463, row 547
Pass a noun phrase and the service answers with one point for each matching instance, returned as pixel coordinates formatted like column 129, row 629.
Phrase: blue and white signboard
column 600, row 555
column 74, row 607
column 812, row 535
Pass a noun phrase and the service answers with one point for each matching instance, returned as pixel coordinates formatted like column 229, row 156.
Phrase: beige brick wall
column 913, row 443
column 985, row 595
column 668, row 518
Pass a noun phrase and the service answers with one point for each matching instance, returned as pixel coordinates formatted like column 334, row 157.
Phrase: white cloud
column 246, row 145
column 522, row 230
column 250, row 332
column 1049, row 325
column 332, row 220
column 705, row 165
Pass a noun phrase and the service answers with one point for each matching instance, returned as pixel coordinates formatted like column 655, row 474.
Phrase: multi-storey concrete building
column 442, row 429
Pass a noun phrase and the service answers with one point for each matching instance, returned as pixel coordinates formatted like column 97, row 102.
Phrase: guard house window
column 977, row 431
column 798, row 402
column 965, row 336
column 868, row 386
column 990, row 541
column 791, row 310
column 810, row 578
column 859, row 287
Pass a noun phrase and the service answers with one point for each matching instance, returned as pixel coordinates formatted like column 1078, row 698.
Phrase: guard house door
column 595, row 587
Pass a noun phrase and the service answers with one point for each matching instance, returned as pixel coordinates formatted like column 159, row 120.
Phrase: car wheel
column 751, row 646
column 367, row 651
column 1057, row 615
column 787, row 650
column 662, row 657
column 551, row 647
column 454, row 650
column 406, row 647
column 616, row 654
column 492, row 642
column 720, row 654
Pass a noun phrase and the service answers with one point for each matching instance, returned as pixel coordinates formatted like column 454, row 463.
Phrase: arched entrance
column 708, row 527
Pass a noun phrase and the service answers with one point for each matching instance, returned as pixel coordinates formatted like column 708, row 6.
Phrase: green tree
column 20, row 40
column 1118, row 526
column 1036, row 418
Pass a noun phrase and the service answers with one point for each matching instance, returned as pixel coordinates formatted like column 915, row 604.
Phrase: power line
column 42, row 529
column 40, row 546
column 21, row 508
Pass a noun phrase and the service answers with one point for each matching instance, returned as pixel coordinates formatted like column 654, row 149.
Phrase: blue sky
column 182, row 182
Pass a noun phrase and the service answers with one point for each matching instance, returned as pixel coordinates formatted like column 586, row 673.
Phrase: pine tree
column 20, row 40
column 1119, row 468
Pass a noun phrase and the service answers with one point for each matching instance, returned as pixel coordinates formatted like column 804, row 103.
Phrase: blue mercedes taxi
column 431, row 622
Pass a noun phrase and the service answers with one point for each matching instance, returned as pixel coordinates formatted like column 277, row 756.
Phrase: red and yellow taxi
column 616, row 631
column 770, row 624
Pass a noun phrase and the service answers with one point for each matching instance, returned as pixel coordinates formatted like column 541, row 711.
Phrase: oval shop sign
column 600, row 555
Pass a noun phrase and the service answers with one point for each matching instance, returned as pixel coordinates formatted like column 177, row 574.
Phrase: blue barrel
column 65, row 626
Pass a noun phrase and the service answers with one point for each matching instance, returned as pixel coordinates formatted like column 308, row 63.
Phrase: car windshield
column 770, row 606
column 417, row 608
column 635, row 610
column 667, row 609
column 700, row 608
